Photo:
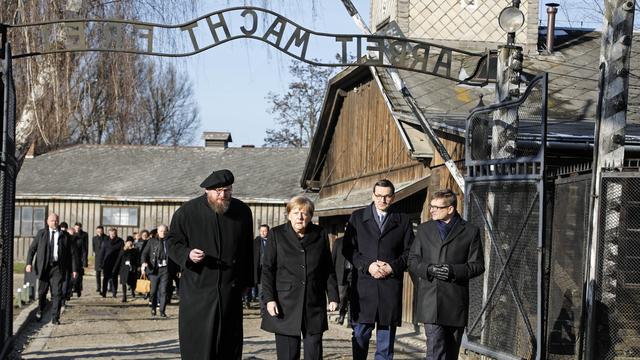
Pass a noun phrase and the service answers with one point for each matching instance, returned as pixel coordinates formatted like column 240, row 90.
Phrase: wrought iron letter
column 344, row 40
column 420, row 57
column 220, row 24
column 299, row 40
column 148, row 35
column 398, row 56
column 379, row 47
column 445, row 64
column 254, row 22
column 189, row 28
column 277, row 33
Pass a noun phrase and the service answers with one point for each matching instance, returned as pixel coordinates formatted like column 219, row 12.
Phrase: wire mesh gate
column 8, row 172
column 617, row 288
column 504, row 197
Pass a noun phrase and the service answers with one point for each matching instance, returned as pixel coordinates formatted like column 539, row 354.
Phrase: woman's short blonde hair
column 301, row 202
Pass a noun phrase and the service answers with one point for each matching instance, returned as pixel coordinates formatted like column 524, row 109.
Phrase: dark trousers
column 99, row 280
column 77, row 282
column 288, row 347
column 159, row 285
column 385, row 337
column 443, row 342
column 53, row 280
column 110, row 281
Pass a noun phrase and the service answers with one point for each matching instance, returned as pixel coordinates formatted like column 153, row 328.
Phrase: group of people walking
column 210, row 238
column 210, row 241
column 59, row 255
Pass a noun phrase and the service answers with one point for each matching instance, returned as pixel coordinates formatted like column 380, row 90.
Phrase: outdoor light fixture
column 511, row 20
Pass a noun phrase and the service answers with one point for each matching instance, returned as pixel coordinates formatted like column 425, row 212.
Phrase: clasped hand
column 440, row 271
column 380, row 269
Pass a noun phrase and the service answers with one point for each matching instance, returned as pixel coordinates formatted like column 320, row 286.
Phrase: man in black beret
column 210, row 238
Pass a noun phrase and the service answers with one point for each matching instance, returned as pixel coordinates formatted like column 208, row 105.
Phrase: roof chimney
column 216, row 139
column 552, row 10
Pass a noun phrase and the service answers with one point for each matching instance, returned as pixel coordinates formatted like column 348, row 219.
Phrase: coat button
column 301, row 250
column 302, row 282
column 302, row 266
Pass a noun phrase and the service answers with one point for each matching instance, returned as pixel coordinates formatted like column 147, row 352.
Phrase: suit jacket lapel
column 370, row 220
column 390, row 222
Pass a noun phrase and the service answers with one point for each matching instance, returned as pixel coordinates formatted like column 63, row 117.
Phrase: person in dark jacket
column 259, row 244
column 54, row 258
column 128, row 261
column 377, row 242
column 82, row 248
column 343, row 274
column 97, row 242
column 297, row 278
column 447, row 253
column 155, row 263
column 109, row 258
column 210, row 239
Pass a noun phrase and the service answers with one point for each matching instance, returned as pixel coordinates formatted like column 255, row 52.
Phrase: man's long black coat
column 210, row 322
column 445, row 302
column 364, row 243
column 257, row 255
column 83, row 244
column 298, row 275
column 98, row 242
column 339, row 261
column 41, row 249
column 109, row 256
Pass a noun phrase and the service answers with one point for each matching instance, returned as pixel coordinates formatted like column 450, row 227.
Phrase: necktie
column 51, row 245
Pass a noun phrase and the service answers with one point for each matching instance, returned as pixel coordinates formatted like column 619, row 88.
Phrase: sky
column 232, row 80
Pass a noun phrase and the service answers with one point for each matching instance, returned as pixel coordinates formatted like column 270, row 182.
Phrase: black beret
column 217, row 179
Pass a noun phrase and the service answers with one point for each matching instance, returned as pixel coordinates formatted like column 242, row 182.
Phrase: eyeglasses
column 438, row 207
column 223, row 190
column 380, row 197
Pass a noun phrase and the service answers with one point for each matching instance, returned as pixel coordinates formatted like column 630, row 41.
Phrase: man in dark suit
column 377, row 242
column 81, row 243
column 54, row 259
column 155, row 263
column 259, row 244
column 98, row 241
column 446, row 254
column 343, row 274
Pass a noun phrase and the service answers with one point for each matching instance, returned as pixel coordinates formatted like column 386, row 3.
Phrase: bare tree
column 298, row 109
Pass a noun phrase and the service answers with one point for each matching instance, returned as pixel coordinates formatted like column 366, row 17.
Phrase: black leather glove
column 443, row 272
column 431, row 270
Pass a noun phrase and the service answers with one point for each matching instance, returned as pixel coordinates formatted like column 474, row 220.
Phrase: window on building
column 120, row 216
column 28, row 220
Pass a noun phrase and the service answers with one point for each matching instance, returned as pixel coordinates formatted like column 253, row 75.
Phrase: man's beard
column 220, row 207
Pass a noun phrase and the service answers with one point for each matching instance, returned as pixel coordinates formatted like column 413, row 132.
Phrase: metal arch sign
column 217, row 28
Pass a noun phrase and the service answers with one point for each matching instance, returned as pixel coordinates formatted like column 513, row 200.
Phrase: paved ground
column 104, row 328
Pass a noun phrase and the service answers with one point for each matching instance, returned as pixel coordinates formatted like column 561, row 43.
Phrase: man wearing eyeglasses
column 447, row 253
column 376, row 242
column 211, row 239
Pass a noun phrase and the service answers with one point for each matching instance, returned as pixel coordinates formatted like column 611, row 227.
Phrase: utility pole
column 609, row 135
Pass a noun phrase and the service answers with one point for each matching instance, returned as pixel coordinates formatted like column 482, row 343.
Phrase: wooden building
column 139, row 187
column 367, row 130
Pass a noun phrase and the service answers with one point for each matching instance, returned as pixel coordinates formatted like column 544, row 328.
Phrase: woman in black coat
column 129, row 260
column 297, row 277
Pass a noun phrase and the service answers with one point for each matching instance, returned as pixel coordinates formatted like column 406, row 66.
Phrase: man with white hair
column 155, row 262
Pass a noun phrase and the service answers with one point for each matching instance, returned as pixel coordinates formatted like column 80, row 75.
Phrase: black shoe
column 79, row 293
column 38, row 315
column 114, row 295
column 153, row 312
column 104, row 295
column 55, row 322
column 124, row 300
column 162, row 314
